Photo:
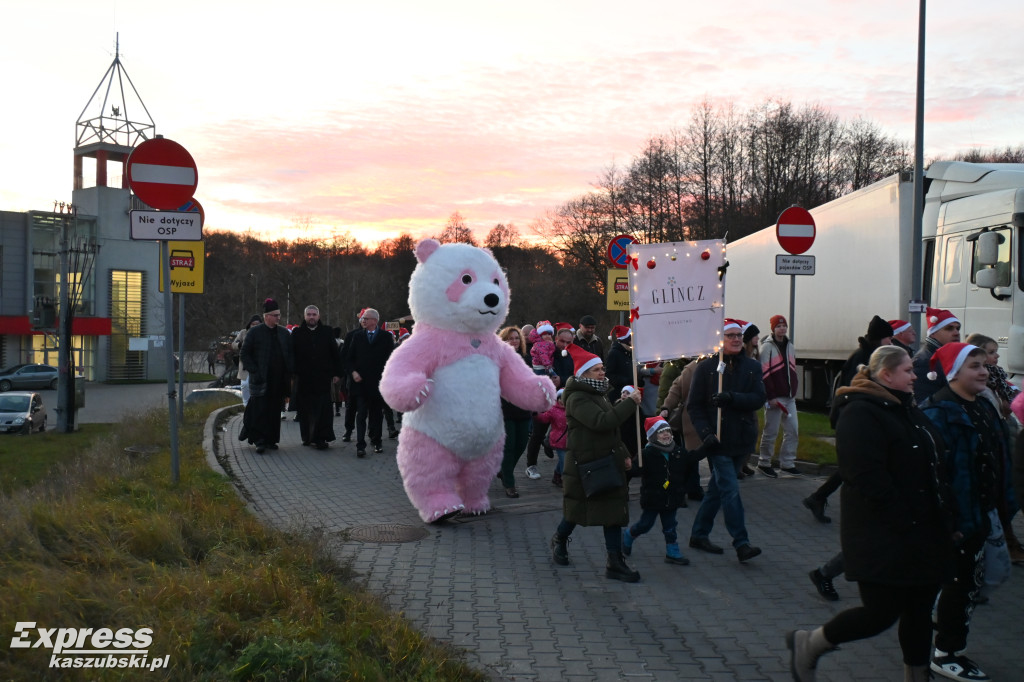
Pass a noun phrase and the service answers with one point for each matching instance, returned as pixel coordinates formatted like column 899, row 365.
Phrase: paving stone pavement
column 487, row 584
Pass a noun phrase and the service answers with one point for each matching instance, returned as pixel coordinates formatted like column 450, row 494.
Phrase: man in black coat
column 365, row 356
column 267, row 356
column 317, row 366
column 739, row 397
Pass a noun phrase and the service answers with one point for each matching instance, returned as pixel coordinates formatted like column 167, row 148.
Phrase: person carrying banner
column 727, row 390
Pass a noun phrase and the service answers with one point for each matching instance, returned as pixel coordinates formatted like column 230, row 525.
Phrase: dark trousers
column 830, row 485
column 956, row 601
column 647, row 519
column 883, row 605
column 351, row 408
column 612, row 535
column 536, row 441
column 371, row 409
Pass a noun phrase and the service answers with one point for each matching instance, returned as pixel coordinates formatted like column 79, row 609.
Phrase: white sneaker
column 532, row 472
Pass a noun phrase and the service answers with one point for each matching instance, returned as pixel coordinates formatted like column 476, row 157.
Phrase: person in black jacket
column 897, row 532
column 365, row 357
column 662, row 489
column 317, row 368
column 267, row 355
column 738, row 397
column 618, row 365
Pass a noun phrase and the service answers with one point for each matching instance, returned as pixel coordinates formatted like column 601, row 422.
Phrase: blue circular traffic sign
column 618, row 250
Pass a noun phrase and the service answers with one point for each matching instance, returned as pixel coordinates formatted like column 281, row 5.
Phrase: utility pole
column 77, row 257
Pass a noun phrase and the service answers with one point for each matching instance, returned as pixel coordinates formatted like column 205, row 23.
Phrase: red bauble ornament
column 705, row 255
column 651, row 264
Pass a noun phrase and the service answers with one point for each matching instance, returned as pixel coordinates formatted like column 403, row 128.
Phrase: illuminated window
column 127, row 321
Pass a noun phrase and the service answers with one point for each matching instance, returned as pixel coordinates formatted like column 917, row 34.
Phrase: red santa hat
column 620, row 333
column 951, row 356
column 402, row 333
column 730, row 323
column 939, row 318
column 360, row 315
column 628, row 389
column 559, row 326
column 544, row 327
column 581, row 359
column 899, row 326
column 654, row 424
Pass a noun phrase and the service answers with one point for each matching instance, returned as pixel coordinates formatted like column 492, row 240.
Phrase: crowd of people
column 930, row 467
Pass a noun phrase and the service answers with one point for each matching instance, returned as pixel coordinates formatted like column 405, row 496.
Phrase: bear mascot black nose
column 491, row 300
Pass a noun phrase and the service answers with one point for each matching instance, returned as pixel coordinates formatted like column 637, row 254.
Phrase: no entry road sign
column 162, row 173
column 795, row 230
column 618, row 250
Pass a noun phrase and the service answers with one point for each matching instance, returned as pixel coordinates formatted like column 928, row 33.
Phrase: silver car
column 28, row 377
column 22, row 412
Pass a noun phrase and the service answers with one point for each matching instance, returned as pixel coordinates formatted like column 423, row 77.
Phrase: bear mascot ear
column 425, row 248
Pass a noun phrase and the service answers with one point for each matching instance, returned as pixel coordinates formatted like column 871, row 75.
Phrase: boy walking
column 662, row 489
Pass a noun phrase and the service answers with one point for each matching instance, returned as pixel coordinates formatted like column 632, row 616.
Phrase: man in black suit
column 365, row 356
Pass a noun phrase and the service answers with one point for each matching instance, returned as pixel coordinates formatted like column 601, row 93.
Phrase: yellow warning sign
column 617, row 290
column 188, row 261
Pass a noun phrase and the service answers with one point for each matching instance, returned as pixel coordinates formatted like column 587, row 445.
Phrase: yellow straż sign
column 188, row 261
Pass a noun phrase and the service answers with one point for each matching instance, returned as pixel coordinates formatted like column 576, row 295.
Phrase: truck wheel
column 5, row 386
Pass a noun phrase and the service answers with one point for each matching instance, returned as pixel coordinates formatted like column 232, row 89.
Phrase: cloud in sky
column 379, row 118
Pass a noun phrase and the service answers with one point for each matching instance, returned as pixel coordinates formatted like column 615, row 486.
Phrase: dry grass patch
column 107, row 541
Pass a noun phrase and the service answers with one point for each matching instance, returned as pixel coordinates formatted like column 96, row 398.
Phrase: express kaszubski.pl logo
column 90, row 647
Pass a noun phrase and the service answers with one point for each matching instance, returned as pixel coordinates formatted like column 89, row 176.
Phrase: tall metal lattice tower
column 112, row 124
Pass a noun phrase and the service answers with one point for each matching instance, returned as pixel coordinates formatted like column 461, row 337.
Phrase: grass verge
column 26, row 460
column 816, row 437
column 107, row 541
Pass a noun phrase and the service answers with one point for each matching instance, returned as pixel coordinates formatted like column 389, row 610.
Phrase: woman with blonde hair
column 896, row 532
column 517, row 420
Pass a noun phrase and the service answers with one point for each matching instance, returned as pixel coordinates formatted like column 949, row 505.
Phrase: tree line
column 726, row 174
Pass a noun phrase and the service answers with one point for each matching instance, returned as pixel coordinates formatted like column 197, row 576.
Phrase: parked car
column 22, row 412
column 21, row 377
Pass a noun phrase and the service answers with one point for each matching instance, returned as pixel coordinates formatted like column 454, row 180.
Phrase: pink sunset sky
column 386, row 117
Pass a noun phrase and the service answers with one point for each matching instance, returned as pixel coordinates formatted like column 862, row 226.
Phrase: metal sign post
column 165, row 264
column 163, row 174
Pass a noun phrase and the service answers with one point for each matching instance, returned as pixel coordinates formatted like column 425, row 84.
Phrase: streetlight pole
column 916, row 265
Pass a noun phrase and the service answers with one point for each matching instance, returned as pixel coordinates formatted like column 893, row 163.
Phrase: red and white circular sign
column 795, row 230
column 162, row 173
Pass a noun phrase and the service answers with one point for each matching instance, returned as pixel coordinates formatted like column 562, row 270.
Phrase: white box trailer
column 863, row 253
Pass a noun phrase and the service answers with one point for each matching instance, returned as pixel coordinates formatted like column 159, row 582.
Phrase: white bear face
column 458, row 287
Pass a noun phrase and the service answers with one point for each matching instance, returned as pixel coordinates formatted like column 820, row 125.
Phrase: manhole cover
column 388, row 532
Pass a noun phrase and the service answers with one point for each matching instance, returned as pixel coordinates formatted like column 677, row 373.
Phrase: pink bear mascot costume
column 448, row 379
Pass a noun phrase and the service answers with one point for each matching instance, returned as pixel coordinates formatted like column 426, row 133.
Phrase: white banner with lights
column 676, row 301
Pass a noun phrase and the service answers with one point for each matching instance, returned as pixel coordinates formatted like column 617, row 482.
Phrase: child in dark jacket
column 662, row 489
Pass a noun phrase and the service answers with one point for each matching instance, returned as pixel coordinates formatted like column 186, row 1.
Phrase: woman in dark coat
column 897, row 533
column 593, row 433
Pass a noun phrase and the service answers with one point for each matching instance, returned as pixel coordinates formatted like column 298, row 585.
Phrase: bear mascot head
column 449, row 377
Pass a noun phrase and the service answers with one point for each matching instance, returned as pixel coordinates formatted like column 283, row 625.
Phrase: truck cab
column 972, row 238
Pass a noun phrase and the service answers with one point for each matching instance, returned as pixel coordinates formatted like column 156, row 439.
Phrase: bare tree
column 502, row 235
column 456, row 230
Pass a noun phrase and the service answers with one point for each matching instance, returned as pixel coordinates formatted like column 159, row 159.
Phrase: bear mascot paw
column 449, row 376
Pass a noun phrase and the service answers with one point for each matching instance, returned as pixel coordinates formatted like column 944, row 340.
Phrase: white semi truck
column 972, row 246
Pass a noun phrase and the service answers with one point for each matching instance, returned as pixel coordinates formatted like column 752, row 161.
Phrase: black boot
column 817, row 507
column 560, row 549
column 618, row 570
